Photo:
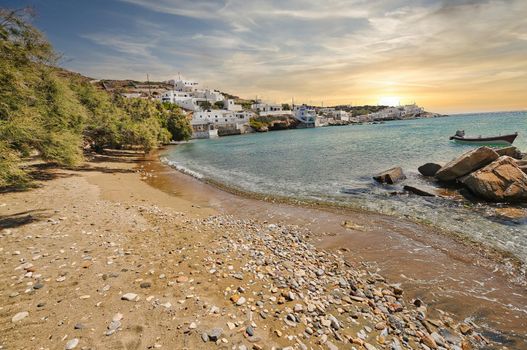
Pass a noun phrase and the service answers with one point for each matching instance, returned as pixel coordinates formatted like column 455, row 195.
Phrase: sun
column 389, row 101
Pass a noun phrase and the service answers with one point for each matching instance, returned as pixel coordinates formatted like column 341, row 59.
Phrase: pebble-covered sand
column 99, row 260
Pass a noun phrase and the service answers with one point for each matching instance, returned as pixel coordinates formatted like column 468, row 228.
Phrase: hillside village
column 213, row 113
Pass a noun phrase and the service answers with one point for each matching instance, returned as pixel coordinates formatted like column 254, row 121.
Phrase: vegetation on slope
column 47, row 112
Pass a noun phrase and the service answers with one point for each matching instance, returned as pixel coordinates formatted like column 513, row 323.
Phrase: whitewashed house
column 307, row 116
column 341, row 115
column 183, row 85
column 182, row 99
column 206, row 124
column 269, row 110
column 209, row 95
column 229, row 105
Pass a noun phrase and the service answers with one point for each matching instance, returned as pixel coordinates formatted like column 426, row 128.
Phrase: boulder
column 510, row 151
column 466, row 163
column 501, row 181
column 390, row 176
column 429, row 169
column 419, row 191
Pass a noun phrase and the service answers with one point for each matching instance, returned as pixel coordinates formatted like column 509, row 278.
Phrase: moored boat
column 480, row 140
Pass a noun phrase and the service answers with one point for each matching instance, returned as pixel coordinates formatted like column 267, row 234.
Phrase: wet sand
column 429, row 264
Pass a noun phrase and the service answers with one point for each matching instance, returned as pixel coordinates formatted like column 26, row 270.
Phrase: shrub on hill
column 51, row 114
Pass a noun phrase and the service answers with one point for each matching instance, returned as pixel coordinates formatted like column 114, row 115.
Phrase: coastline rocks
column 466, row 163
column 419, row 191
column 501, row 180
column 429, row 169
column 390, row 176
column 510, row 151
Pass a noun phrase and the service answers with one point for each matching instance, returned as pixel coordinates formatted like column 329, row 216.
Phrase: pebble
column 145, row 285
column 20, row 316
column 72, row 344
column 114, row 325
column 215, row 334
column 129, row 297
column 250, row 331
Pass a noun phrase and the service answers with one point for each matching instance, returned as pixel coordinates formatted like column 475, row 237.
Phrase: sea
column 335, row 165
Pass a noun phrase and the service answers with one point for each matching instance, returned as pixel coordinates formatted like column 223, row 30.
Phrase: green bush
column 54, row 114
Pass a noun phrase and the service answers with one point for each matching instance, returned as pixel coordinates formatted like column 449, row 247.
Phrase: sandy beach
column 125, row 253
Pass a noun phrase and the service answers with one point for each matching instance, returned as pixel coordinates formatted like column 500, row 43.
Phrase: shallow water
column 335, row 164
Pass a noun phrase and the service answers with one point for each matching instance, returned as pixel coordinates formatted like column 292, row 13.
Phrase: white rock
column 20, row 316
column 129, row 296
column 72, row 344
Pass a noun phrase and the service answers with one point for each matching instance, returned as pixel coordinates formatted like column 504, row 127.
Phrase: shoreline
column 482, row 261
column 508, row 263
column 103, row 256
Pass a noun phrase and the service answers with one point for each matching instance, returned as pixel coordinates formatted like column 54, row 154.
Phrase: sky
column 448, row 56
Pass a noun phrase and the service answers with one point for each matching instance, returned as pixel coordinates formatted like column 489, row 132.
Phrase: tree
column 36, row 110
column 286, row 107
column 177, row 123
column 52, row 113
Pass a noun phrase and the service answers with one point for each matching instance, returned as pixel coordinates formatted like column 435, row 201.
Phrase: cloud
column 133, row 46
column 341, row 50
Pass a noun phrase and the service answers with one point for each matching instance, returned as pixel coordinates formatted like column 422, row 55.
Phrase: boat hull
column 504, row 140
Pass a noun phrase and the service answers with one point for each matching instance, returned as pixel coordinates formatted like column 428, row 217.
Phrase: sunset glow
column 448, row 56
column 389, row 101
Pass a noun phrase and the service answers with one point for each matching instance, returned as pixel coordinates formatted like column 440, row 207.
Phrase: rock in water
column 510, row 151
column 429, row 169
column 466, row 163
column 418, row 191
column 501, row 180
column 390, row 176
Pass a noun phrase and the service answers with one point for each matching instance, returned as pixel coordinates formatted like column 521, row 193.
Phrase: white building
column 186, row 94
column 183, row 85
column 229, row 105
column 394, row 113
column 269, row 110
column 209, row 95
column 182, row 99
column 203, row 122
column 306, row 116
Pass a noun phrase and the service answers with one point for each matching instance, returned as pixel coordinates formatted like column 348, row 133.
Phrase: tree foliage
column 54, row 115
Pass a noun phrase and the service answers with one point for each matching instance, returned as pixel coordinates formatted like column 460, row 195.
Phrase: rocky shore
column 494, row 175
column 97, row 259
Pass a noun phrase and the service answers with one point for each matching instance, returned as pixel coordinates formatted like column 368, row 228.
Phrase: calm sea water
column 335, row 164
